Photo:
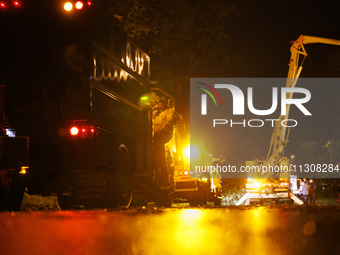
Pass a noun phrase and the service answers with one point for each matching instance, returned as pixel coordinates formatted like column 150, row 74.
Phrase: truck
column 77, row 88
column 197, row 187
column 283, row 188
column 14, row 162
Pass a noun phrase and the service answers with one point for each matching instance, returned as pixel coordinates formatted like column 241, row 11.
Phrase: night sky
column 260, row 35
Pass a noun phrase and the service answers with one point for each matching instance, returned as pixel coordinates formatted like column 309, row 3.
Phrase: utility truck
column 281, row 188
column 77, row 88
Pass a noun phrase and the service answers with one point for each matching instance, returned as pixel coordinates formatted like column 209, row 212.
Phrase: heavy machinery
column 76, row 87
column 197, row 187
column 281, row 188
column 14, row 164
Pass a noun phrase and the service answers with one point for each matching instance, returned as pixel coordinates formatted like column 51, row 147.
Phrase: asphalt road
column 224, row 230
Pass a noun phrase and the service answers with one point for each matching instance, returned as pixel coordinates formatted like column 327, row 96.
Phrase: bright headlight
column 191, row 152
column 256, row 185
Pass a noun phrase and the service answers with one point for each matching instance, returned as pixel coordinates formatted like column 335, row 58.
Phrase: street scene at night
column 169, row 127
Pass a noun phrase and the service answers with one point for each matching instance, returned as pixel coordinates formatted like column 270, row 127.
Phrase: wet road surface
column 245, row 230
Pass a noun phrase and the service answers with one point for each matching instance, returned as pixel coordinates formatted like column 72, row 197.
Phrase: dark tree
column 184, row 38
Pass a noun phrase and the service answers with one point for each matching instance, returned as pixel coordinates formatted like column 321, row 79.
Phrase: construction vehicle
column 197, row 187
column 77, row 88
column 14, row 163
column 281, row 188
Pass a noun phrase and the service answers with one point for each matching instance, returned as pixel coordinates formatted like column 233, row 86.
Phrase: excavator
column 281, row 188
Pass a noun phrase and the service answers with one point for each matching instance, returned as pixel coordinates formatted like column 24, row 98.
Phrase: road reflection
column 172, row 231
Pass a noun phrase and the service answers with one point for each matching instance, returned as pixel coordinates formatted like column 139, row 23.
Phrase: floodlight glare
column 68, row 6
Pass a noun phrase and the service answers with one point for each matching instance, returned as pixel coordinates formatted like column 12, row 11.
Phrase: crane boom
column 279, row 140
column 272, row 186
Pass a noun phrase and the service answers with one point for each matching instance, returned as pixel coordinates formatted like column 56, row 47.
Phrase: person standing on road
column 312, row 192
column 305, row 192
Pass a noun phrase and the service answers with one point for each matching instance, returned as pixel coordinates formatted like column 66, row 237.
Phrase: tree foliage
column 184, row 38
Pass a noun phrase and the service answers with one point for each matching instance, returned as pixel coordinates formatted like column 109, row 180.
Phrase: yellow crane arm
column 279, row 140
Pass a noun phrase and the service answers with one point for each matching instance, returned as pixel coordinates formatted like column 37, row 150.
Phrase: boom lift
column 270, row 187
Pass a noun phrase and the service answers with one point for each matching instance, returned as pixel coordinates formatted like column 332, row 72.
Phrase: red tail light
column 79, row 5
column 2, row 5
column 82, row 131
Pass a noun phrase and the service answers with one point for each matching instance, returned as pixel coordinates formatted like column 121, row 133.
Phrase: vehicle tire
column 193, row 202
column 165, row 197
column 217, row 201
column 138, row 200
column 65, row 202
column 198, row 201
column 124, row 171
column 203, row 201
column 12, row 197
